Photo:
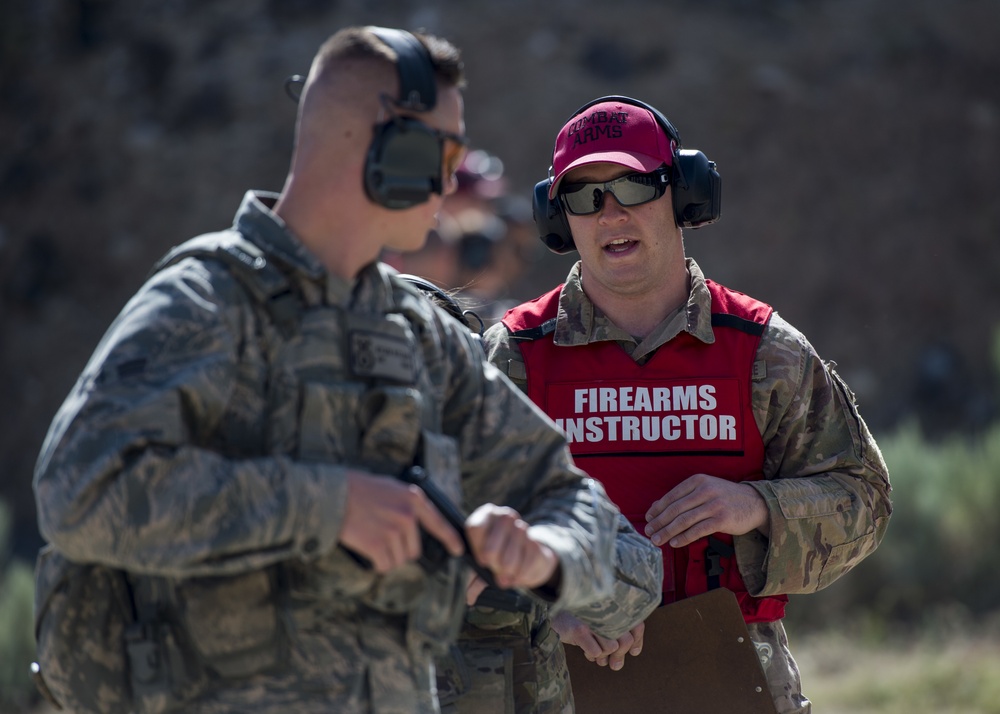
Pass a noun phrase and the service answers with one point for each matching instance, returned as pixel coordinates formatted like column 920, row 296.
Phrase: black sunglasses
column 583, row 199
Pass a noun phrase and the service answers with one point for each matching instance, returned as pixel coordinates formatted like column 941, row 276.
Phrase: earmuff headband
column 417, row 86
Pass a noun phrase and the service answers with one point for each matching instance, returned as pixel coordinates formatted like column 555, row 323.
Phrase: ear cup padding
column 404, row 164
column 698, row 196
column 550, row 218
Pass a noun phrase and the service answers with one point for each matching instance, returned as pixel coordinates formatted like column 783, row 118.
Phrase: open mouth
column 621, row 245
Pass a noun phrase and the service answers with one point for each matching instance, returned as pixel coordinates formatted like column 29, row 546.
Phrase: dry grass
column 911, row 674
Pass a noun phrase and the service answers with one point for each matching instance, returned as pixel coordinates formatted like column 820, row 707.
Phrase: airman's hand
column 502, row 542
column 383, row 519
column 474, row 589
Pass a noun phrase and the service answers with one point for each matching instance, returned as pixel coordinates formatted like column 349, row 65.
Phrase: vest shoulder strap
column 738, row 311
column 534, row 319
column 738, row 323
column 257, row 271
column 718, row 320
column 535, row 333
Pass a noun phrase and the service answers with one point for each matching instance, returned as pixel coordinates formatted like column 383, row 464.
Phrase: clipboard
column 697, row 658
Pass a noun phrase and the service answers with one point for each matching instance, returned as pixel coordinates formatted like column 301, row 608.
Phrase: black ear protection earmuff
column 695, row 187
column 403, row 166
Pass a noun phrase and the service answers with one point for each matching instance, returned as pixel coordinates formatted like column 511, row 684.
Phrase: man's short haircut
column 362, row 44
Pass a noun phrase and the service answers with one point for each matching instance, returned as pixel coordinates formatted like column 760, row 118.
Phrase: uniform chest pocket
column 374, row 427
column 390, row 420
column 328, row 424
column 358, row 400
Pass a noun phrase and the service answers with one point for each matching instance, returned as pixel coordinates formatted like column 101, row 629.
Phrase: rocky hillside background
column 858, row 141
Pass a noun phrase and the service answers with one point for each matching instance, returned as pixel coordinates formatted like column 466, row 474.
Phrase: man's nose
column 611, row 209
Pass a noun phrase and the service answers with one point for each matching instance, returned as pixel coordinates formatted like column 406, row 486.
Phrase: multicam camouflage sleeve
column 638, row 576
column 118, row 470
column 827, row 486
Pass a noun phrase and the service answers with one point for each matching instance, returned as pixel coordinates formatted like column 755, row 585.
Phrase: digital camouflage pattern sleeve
column 637, row 587
column 135, row 448
column 639, row 566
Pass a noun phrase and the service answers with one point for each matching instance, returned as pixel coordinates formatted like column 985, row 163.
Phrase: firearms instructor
column 228, row 466
column 712, row 422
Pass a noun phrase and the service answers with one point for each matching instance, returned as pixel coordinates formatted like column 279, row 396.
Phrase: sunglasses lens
column 454, row 153
column 582, row 199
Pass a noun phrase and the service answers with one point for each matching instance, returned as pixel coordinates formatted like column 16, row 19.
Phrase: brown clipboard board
column 697, row 658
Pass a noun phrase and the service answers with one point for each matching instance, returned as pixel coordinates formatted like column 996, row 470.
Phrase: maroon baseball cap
column 614, row 132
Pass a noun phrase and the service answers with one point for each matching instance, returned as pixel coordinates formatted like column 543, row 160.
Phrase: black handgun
column 433, row 554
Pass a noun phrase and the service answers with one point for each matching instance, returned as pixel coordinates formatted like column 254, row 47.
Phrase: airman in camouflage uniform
column 823, row 503
column 236, row 441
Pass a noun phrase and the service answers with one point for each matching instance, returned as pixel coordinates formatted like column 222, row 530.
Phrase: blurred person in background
column 477, row 252
column 486, row 261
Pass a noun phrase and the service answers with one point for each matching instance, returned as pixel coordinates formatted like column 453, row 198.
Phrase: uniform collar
column 260, row 224
column 372, row 291
column 578, row 322
column 699, row 305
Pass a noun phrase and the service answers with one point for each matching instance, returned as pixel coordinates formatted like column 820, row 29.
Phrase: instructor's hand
column 701, row 505
column 383, row 519
column 596, row 648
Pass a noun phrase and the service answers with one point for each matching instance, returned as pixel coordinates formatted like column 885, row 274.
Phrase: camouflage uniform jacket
column 204, row 450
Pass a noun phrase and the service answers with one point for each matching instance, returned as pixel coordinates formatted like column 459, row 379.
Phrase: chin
column 409, row 246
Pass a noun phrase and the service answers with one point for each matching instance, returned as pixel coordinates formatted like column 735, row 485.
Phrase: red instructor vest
column 642, row 429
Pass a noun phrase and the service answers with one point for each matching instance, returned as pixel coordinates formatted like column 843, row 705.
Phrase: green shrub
column 17, row 637
column 939, row 553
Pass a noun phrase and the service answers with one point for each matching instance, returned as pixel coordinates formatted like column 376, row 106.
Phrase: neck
column 640, row 313
column 334, row 234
